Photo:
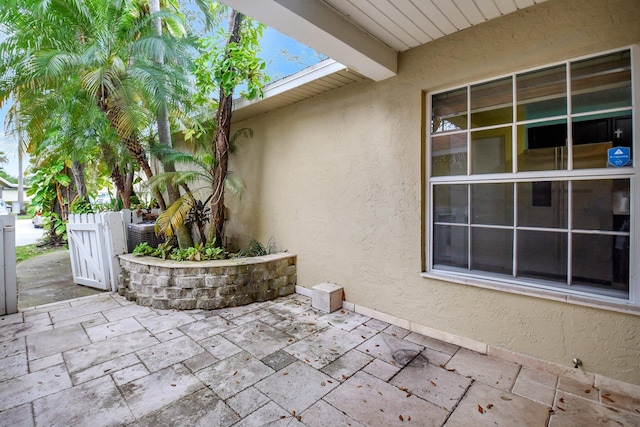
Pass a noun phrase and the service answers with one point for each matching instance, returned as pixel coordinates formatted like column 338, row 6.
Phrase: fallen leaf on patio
column 173, row 385
column 401, row 417
column 285, row 373
column 363, row 337
column 490, row 405
column 282, row 417
column 433, row 384
column 394, row 334
column 235, row 373
column 381, row 410
column 393, row 362
column 367, row 350
column 442, row 366
column 408, row 394
column 560, row 407
column 293, row 413
column 551, row 411
column 377, row 345
column 342, row 311
column 562, row 399
column 359, row 386
column 307, row 360
column 505, row 398
column 330, row 382
column 451, row 370
column 480, row 409
column 299, row 418
column 409, row 418
column 606, row 397
column 587, row 391
column 380, row 393
column 290, row 340
column 344, row 377
column 404, row 389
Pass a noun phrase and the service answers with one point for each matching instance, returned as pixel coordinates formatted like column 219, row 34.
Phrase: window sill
column 535, row 293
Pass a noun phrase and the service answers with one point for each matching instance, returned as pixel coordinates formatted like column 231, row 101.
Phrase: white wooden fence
column 8, row 284
column 95, row 241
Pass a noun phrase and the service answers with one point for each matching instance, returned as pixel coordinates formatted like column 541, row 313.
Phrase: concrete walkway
column 104, row 361
column 47, row 278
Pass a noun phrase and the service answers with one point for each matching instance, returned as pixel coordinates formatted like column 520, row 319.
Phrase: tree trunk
column 221, row 144
column 77, row 170
column 183, row 234
column 131, row 142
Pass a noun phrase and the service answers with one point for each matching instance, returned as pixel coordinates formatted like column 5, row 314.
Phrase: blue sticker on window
column 619, row 157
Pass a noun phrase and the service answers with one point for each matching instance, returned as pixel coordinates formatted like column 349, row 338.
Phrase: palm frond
column 171, row 219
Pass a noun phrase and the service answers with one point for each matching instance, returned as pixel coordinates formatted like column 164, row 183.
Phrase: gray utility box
column 142, row 232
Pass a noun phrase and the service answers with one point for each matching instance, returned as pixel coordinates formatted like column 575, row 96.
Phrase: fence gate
column 95, row 241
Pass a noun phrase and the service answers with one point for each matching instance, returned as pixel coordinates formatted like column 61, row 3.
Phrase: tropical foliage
column 98, row 88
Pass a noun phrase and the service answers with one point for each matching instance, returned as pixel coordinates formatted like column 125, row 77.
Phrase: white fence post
column 115, row 234
column 8, row 283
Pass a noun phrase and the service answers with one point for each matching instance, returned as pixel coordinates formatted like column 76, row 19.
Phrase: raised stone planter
column 187, row 285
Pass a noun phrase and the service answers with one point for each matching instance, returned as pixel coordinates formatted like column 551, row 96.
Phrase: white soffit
column 365, row 35
column 317, row 79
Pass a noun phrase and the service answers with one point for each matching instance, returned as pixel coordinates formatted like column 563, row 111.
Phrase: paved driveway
column 104, row 361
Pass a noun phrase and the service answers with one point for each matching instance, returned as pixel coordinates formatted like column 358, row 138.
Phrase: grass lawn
column 30, row 251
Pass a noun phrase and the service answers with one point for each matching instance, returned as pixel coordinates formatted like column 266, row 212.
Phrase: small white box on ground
column 327, row 297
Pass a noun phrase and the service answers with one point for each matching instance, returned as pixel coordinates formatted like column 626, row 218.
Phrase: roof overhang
column 316, row 25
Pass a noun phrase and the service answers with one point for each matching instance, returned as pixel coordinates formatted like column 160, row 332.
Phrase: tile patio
column 104, row 361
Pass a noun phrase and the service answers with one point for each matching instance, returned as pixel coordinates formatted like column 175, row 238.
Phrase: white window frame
column 517, row 285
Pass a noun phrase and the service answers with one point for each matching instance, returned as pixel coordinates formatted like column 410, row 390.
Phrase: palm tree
column 199, row 169
column 100, row 48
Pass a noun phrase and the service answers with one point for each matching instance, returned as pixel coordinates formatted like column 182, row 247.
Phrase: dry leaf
column 433, row 384
column 293, row 413
column 490, row 405
column 401, row 417
column 344, row 377
column 606, row 397
column 283, row 417
column 409, row 418
column 342, row 311
column 307, row 360
column 551, row 411
column 299, row 418
column 363, row 337
column 404, row 389
column 235, row 373
column 442, row 366
column 562, row 399
column 173, row 385
column 451, row 370
column 587, row 391
column 560, row 407
column 393, row 362
column 381, row 410
column 330, row 382
column 408, row 394
column 505, row 398
column 285, row 373
column 380, row 393
column 480, row 409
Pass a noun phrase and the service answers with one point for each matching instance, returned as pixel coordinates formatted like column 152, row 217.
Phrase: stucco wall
column 338, row 179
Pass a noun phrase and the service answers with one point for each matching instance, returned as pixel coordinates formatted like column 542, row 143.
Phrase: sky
column 283, row 56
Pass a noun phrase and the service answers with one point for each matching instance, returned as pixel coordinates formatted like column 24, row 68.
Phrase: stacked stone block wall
column 186, row 285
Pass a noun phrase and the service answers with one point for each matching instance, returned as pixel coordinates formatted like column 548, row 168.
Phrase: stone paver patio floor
column 104, row 361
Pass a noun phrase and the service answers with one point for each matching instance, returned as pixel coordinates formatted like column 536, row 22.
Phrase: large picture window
column 531, row 178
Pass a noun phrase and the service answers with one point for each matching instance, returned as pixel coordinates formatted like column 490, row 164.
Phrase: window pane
column 601, row 261
column 449, row 155
column 491, row 151
column 492, row 103
column 542, row 255
column 542, row 146
column 542, row 93
column 450, row 245
column 543, row 204
column 492, row 250
column 594, row 135
column 450, row 203
column 449, row 110
column 492, row 204
column 601, row 83
column 600, row 204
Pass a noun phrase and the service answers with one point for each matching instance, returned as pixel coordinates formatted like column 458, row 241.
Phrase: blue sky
column 283, row 55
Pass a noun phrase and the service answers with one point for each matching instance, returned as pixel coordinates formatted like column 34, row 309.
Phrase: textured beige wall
column 337, row 180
